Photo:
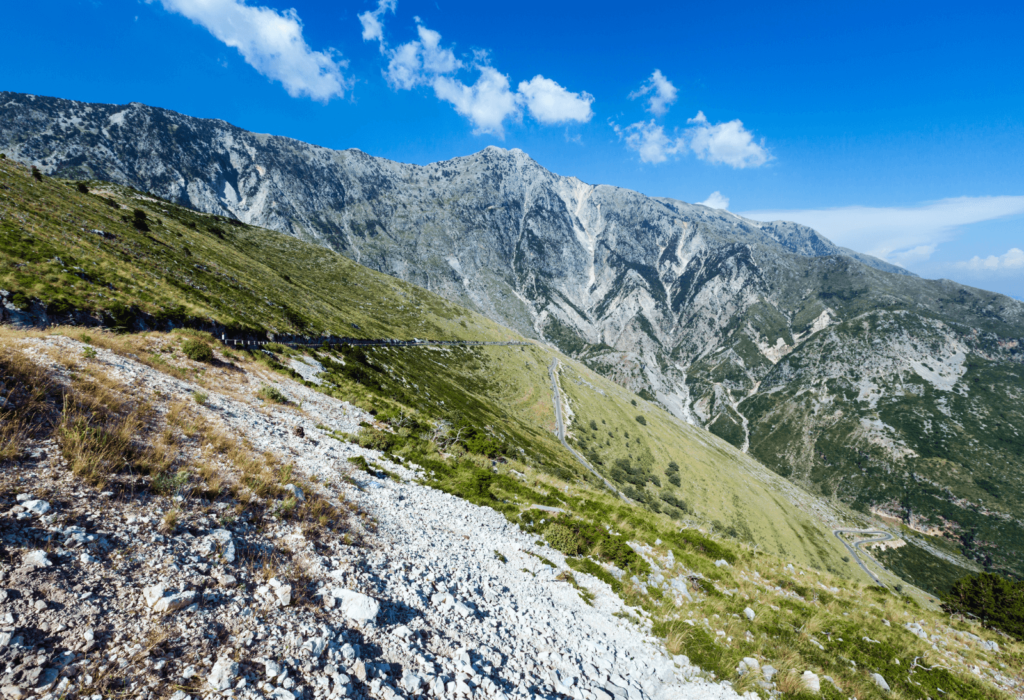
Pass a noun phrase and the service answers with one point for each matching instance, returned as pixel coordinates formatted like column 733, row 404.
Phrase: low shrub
column 197, row 350
column 271, row 394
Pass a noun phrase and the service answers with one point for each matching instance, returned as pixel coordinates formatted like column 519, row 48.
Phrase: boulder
column 222, row 675
column 36, row 559
column 880, row 682
column 811, row 682
column 36, row 507
column 357, row 606
column 175, row 602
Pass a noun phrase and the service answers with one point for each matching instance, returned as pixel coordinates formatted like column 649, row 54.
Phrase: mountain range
column 897, row 395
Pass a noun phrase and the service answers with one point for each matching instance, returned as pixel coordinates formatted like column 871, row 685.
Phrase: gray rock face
column 766, row 333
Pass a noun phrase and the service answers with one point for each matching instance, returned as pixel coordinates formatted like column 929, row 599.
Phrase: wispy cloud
column 899, row 234
column 373, row 27
column 271, row 42
column 662, row 91
column 1013, row 259
column 716, row 200
column 490, row 101
column 650, row 141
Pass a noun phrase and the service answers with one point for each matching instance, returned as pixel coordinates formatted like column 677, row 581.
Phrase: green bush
column 373, row 439
column 563, row 539
column 641, row 420
column 997, row 601
column 271, row 394
column 81, row 187
column 200, row 397
column 38, row 176
column 197, row 350
column 675, row 480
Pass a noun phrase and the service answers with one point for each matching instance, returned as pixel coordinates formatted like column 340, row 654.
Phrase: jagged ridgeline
column 896, row 395
column 122, row 258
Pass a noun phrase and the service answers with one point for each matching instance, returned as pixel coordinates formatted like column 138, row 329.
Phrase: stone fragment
column 151, row 594
column 412, row 682
column 36, row 559
column 749, row 665
column 37, row 507
column 282, row 694
column 180, row 695
column 749, row 614
column 357, row 606
column 225, row 544
column 283, row 591
column 880, row 682
column 295, row 492
column 811, row 682
column 222, row 675
column 272, row 668
column 175, row 602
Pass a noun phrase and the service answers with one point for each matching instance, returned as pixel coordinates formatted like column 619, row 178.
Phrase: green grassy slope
column 193, row 265
column 481, row 420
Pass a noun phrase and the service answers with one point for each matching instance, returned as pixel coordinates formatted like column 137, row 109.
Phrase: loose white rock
column 222, row 675
column 811, row 682
column 36, row 559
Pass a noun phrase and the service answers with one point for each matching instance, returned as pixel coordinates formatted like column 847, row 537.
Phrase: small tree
column 139, row 220
column 36, row 174
column 81, row 187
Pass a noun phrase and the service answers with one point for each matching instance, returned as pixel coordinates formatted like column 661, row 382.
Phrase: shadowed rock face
column 766, row 333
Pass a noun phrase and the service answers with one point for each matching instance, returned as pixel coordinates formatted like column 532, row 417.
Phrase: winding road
column 557, row 395
column 882, row 537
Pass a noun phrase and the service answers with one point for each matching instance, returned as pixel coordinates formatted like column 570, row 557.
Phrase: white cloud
column 716, row 200
column 1013, row 259
column 420, row 62
column 373, row 28
column 550, row 103
column 487, row 103
column 664, row 93
column 271, row 42
column 904, row 234
column 649, row 140
column 726, row 142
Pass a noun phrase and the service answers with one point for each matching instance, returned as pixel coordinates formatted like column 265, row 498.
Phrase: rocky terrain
column 424, row 595
column 185, row 589
column 891, row 393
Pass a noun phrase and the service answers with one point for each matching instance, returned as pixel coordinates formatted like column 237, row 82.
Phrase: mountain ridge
column 843, row 373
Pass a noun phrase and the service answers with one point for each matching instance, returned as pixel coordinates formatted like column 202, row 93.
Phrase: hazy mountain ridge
column 731, row 323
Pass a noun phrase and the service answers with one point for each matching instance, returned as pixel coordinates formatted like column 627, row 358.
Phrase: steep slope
column 247, row 281
column 731, row 324
column 165, row 462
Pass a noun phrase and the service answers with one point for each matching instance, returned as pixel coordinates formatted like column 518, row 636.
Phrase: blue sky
column 896, row 129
